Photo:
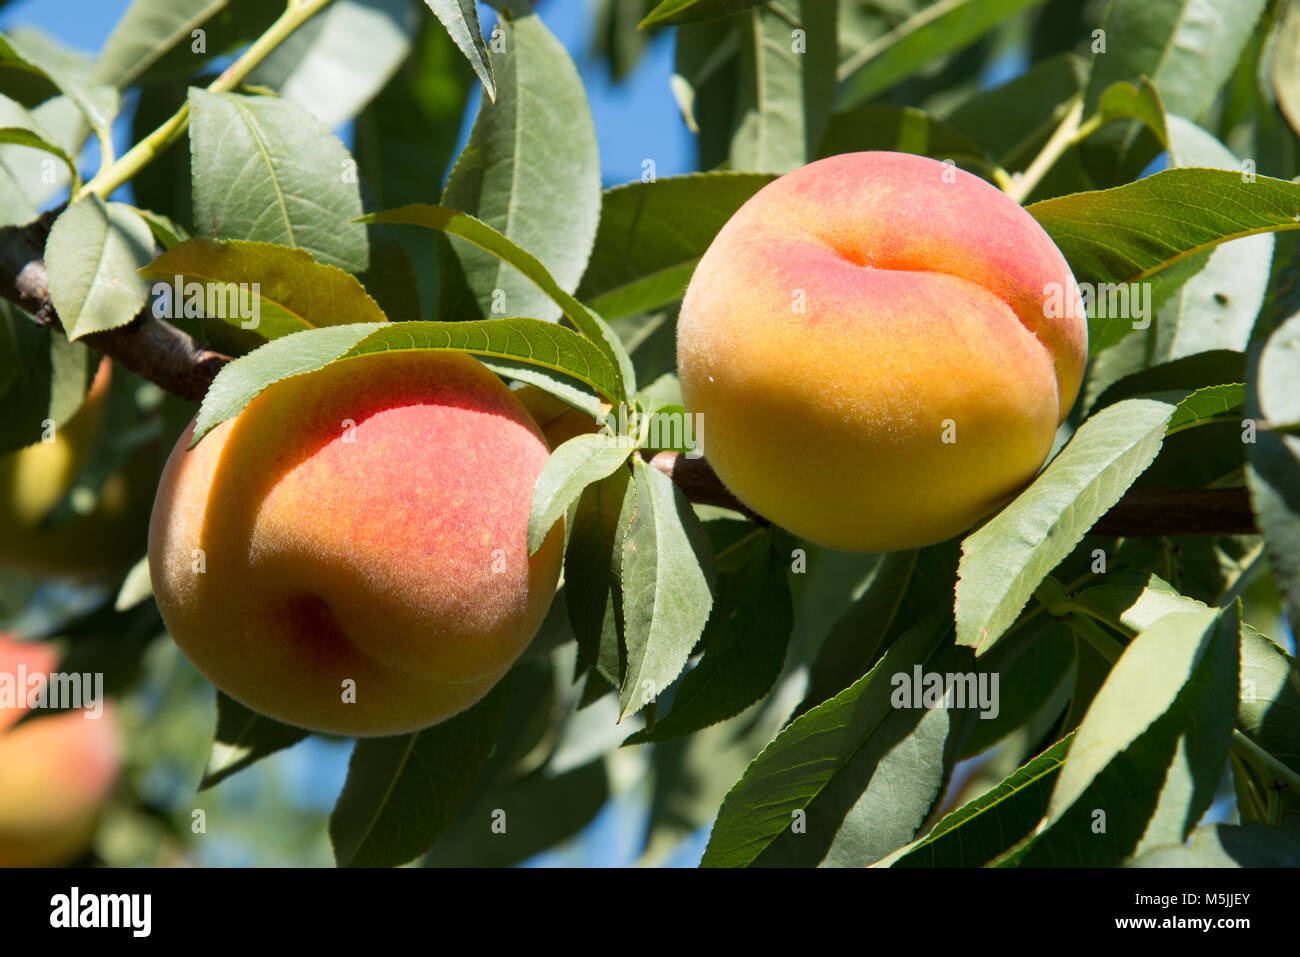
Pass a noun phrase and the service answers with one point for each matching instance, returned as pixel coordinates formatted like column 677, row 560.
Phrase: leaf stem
column 114, row 174
column 1066, row 135
column 1252, row 752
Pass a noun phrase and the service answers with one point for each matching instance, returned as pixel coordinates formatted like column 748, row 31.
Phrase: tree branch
column 171, row 358
column 156, row 350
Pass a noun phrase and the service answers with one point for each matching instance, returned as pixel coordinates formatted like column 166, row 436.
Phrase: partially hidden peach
column 873, row 344
column 349, row 554
column 56, row 771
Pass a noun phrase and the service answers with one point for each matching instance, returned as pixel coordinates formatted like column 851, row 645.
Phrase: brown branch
column 171, row 358
column 156, row 350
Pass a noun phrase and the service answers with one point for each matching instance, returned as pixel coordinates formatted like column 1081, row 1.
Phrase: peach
column 55, row 771
column 350, row 554
column 34, row 480
column 869, row 341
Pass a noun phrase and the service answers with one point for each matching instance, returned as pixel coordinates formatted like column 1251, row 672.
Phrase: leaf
column 1277, row 380
column 242, row 738
column 1004, row 561
column 485, row 237
column 530, row 171
column 689, row 11
column 937, row 29
column 1187, row 47
column 593, row 601
column 19, row 127
column 541, row 812
column 136, row 587
column 705, row 84
column 573, row 466
column 147, row 31
column 317, row 65
column 531, row 341
column 1205, row 404
column 1142, row 102
column 902, row 129
column 402, row 792
column 787, row 70
column 1152, row 747
column 1269, row 709
column 293, row 291
column 1107, row 235
column 652, row 235
column 666, row 583
column 1216, row 308
column 43, row 379
column 1014, row 120
column 266, row 170
column 978, row 831
column 744, row 646
column 851, row 780
column 1228, row 845
column 1284, row 66
column 905, row 587
column 460, row 17
column 92, row 254
column 20, row 78
column 1187, row 374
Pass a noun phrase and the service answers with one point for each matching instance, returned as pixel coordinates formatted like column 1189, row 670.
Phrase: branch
column 156, row 350
column 170, row 358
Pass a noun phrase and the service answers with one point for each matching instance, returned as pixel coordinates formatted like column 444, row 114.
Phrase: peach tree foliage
column 1141, row 673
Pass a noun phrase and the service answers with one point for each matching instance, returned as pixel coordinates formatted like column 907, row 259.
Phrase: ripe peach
column 349, row 554
column 55, row 771
column 868, row 341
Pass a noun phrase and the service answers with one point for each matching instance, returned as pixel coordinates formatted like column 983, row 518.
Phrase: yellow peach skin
column 35, row 479
column 868, row 342
column 55, row 771
column 360, row 527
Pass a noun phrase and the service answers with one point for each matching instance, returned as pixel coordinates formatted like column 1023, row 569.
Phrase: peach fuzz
column 366, row 522
column 853, row 315
column 56, row 770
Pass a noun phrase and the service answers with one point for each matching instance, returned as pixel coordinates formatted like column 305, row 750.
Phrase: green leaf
column 1123, row 100
column 705, row 84
column 20, row 128
column 903, row 589
column 266, row 170
column 1217, row 307
column 744, row 645
column 1187, row 47
column 20, row 78
column 244, row 737
column 541, row 811
column 1205, row 404
column 402, row 792
column 136, row 586
column 294, row 292
column 43, row 379
column 1106, row 235
column 531, row 171
column 317, row 65
column 903, row 129
column 1187, row 374
column 1014, row 120
column 573, row 466
column 460, row 17
column 689, row 11
column 1284, row 66
column 147, row 31
column 666, row 581
column 1269, row 710
column 979, row 831
column 593, row 604
column 787, row 70
column 530, row 341
column 1273, row 471
column 653, row 234
column 1005, row 560
column 92, row 254
column 937, row 29
column 851, row 780
column 1228, row 845
column 485, row 237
